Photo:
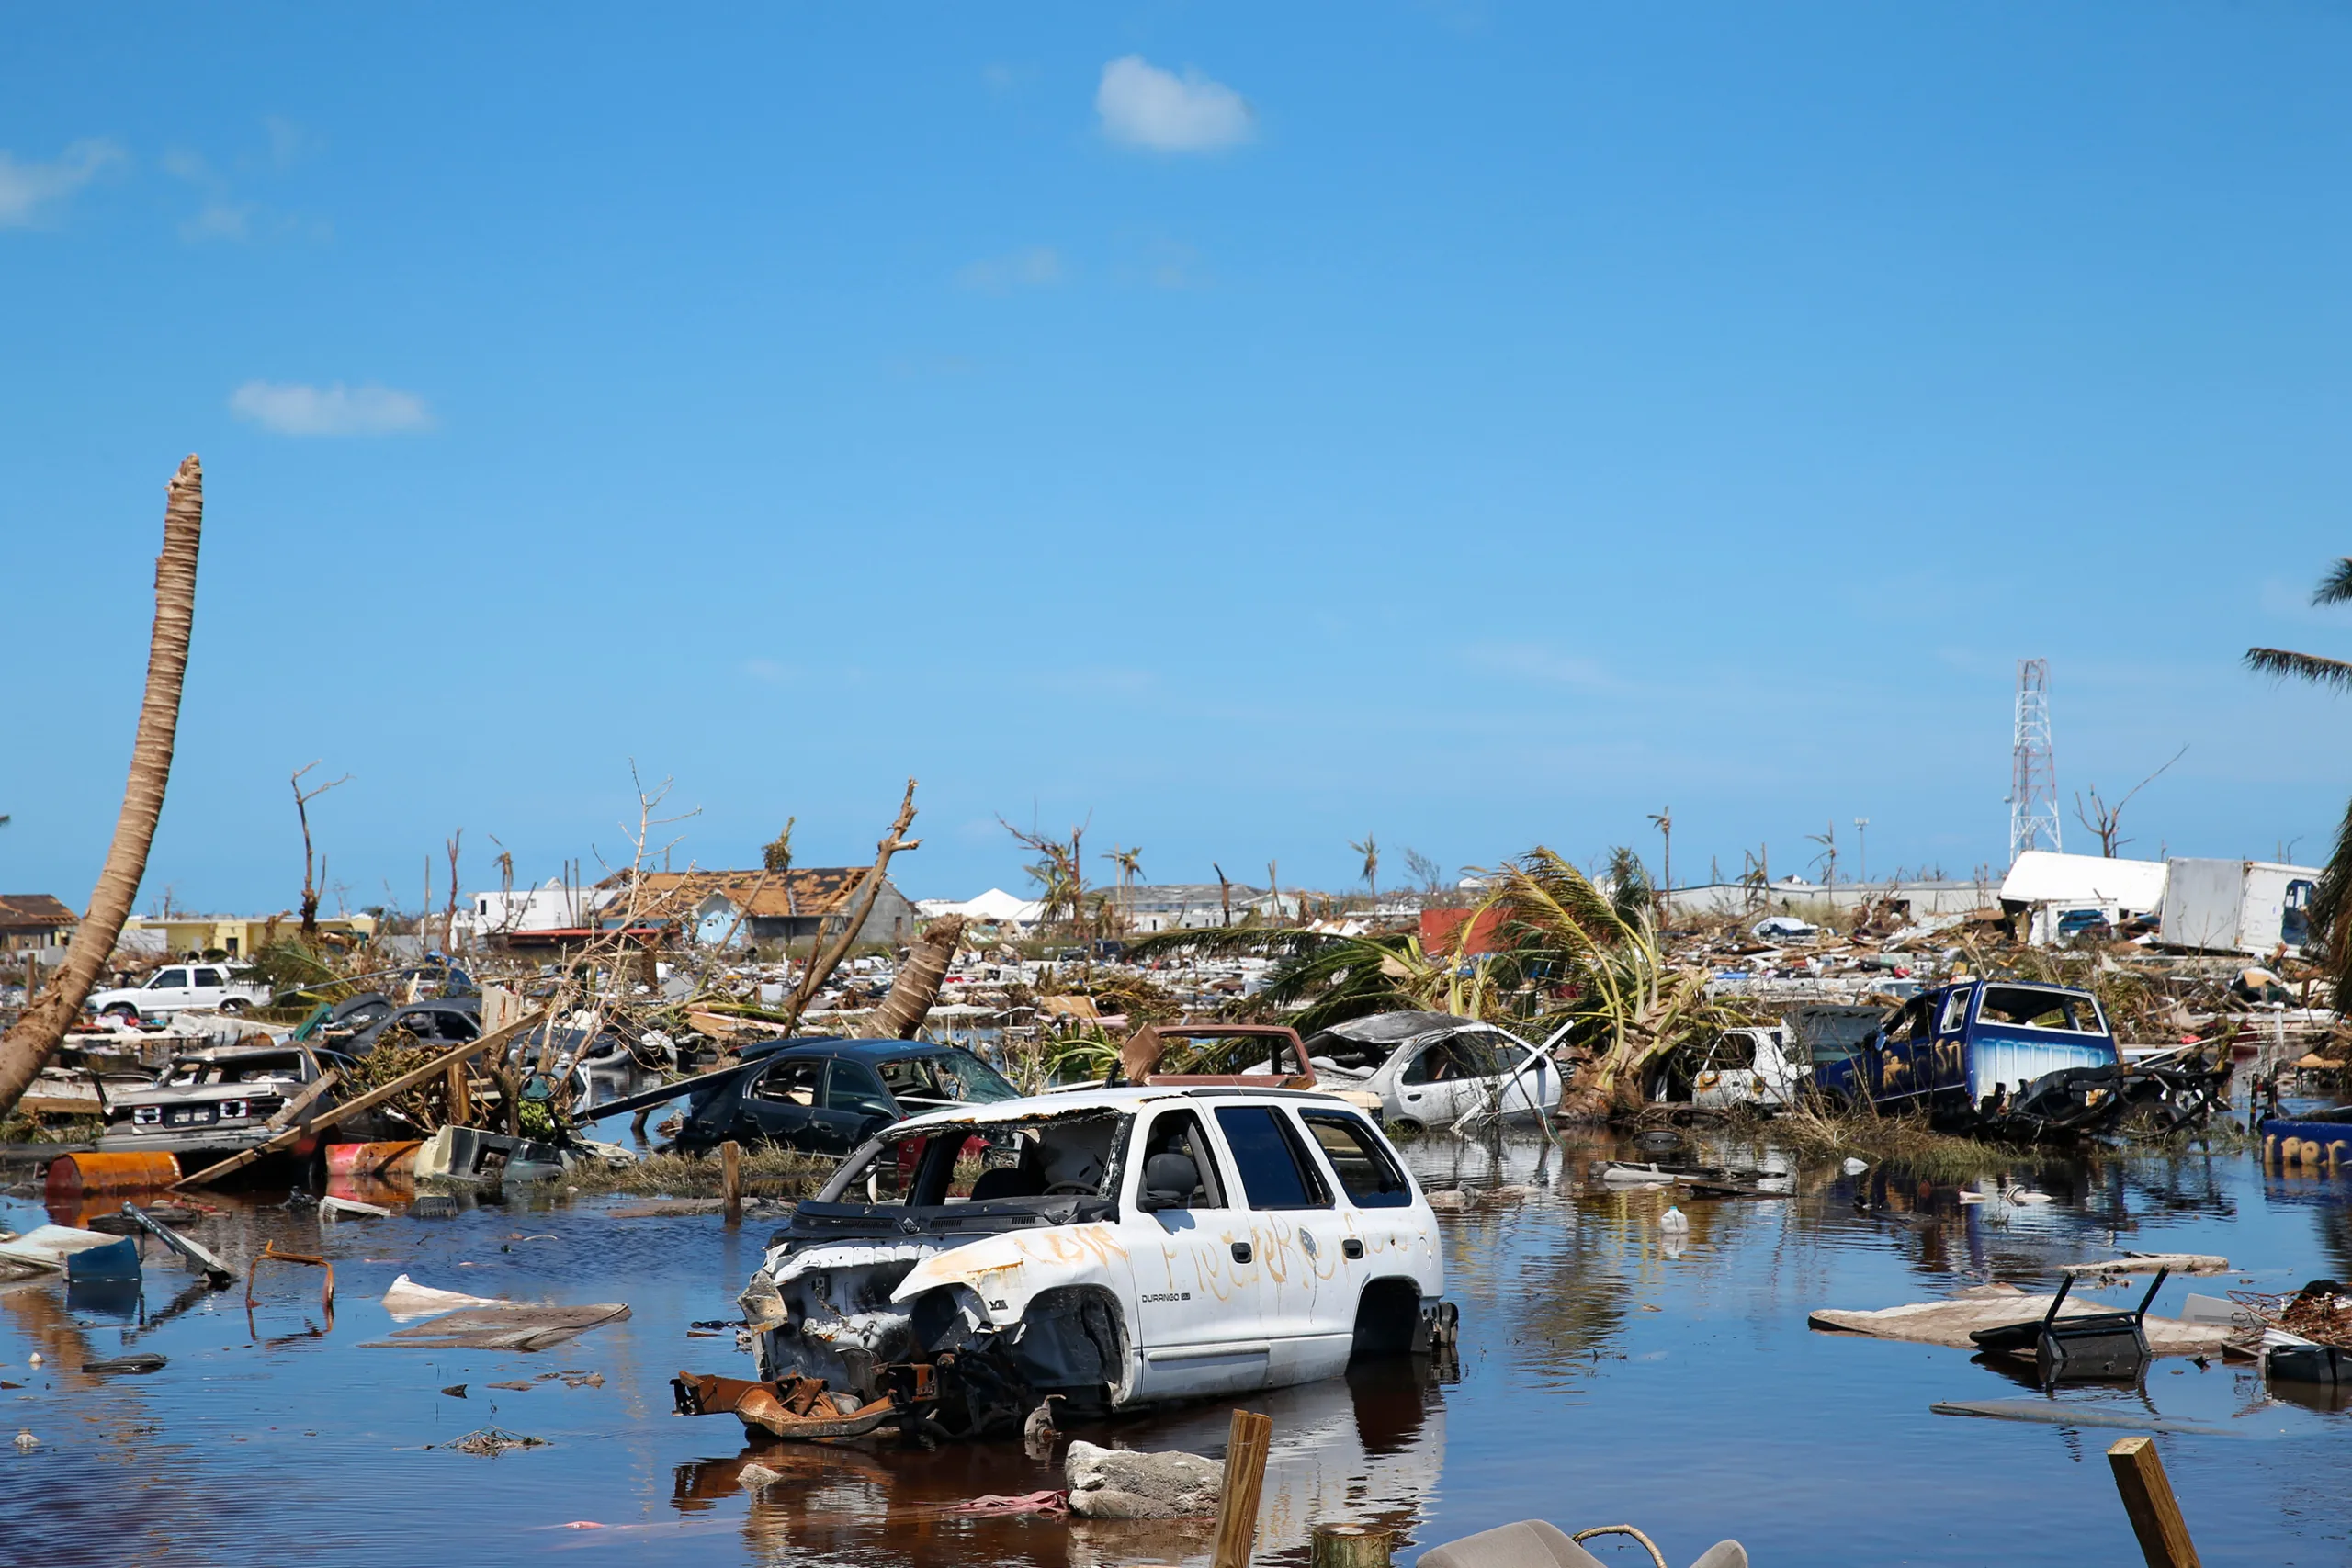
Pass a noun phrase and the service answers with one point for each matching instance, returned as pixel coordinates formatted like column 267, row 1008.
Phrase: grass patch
column 767, row 1173
column 1815, row 1131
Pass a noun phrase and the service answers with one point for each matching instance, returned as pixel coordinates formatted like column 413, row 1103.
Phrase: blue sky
column 1475, row 425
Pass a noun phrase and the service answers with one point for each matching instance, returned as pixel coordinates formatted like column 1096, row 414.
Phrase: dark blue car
column 828, row 1096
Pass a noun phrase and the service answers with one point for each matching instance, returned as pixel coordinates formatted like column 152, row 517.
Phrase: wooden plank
column 291, row 1111
column 2149, row 1262
column 2148, row 1500
column 1245, row 1479
column 369, row 1101
column 730, row 1179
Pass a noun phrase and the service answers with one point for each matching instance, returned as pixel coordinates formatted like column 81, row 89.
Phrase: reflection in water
column 1364, row 1448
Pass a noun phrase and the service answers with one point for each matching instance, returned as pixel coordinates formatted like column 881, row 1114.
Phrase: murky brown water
column 1609, row 1372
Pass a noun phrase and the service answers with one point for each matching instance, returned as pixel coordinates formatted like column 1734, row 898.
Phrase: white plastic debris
column 27, row 1441
column 331, row 1206
column 1673, row 1219
column 33, row 1359
column 1855, row 1167
column 407, row 1299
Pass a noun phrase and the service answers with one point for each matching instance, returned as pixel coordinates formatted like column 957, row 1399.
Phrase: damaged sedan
column 1112, row 1250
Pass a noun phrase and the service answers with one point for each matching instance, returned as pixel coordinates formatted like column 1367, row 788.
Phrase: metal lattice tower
column 2034, row 776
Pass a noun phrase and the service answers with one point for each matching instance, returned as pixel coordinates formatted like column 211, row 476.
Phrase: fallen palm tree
column 1625, row 1006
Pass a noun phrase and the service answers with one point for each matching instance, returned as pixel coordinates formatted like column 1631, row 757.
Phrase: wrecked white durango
column 1114, row 1247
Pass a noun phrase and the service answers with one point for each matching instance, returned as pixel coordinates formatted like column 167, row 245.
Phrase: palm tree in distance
column 2335, row 882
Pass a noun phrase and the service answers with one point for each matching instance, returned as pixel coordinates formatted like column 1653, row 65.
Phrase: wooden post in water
column 1352, row 1546
column 2148, row 1499
column 1245, row 1479
column 461, row 1111
column 730, row 1178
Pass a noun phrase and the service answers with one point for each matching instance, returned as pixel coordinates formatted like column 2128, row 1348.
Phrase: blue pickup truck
column 2000, row 1056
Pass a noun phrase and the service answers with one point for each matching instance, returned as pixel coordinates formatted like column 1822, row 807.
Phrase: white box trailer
column 2249, row 907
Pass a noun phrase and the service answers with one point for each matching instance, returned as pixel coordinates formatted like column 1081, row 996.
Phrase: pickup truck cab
column 1987, row 1055
column 1117, row 1247
column 178, row 986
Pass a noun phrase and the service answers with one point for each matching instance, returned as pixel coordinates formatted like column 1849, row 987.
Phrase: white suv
column 1117, row 1247
column 176, row 986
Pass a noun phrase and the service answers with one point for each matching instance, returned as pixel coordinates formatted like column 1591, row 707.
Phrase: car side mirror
column 1168, row 1182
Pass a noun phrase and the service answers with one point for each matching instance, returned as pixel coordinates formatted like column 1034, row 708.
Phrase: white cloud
column 1143, row 105
column 292, row 409
column 1039, row 266
column 26, row 190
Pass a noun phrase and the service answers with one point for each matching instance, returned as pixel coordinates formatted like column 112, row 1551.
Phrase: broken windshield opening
column 938, row 1079
column 2039, row 1010
column 1069, row 1156
column 1218, row 1054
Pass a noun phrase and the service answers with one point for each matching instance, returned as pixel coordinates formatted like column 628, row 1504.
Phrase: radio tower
column 2033, row 779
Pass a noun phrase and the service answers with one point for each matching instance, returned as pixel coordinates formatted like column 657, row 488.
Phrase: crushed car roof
column 1093, row 1101
column 1387, row 1028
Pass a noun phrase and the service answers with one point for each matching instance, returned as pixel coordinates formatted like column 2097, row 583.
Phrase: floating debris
column 491, row 1440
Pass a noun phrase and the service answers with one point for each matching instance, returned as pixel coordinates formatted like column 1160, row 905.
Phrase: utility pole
column 1863, row 850
column 2033, row 766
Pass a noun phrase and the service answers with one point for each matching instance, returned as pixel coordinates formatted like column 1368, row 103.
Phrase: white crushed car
column 1433, row 1069
column 1113, row 1249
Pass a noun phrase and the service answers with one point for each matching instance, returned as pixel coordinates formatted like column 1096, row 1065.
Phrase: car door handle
column 1352, row 1247
column 1241, row 1252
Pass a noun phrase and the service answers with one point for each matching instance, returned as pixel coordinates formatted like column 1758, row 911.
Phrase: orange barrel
column 70, row 1176
column 379, row 1160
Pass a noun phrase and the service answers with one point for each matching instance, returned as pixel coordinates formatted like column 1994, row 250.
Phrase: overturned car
column 1112, row 1249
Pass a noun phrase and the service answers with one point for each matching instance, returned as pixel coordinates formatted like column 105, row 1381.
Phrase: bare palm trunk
column 28, row 1047
column 917, row 986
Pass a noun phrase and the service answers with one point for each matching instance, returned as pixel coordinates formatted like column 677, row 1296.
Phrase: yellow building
column 238, row 936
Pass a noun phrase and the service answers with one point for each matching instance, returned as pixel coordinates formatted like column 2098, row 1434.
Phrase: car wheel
column 122, row 1010
column 1406, row 1127
column 232, row 1004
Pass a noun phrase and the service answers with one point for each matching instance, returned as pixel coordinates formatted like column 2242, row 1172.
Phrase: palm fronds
column 1625, row 1003
column 2336, row 586
column 2282, row 663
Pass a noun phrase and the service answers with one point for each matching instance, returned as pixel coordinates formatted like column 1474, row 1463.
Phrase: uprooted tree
column 28, row 1045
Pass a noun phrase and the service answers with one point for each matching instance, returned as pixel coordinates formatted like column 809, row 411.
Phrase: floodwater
column 1609, row 1373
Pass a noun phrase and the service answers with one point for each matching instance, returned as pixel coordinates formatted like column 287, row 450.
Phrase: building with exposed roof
column 34, row 922
column 755, row 906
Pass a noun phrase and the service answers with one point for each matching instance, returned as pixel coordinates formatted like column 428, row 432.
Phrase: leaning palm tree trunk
column 917, row 986
column 28, row 1047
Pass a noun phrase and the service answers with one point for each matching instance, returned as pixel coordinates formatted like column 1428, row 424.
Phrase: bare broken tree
column 2106, row 820
column 449, row 920
column 302, row 813
column 29, row 1044
column 869, row 887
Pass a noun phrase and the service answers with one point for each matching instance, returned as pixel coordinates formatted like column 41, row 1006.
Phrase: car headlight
column 234, row 1110
column 146, row 1115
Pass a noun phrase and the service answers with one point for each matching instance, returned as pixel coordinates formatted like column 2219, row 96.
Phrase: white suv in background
column 176, row 986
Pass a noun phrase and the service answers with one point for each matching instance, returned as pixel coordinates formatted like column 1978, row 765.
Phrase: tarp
column 2044, row 876
column 995, row 904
